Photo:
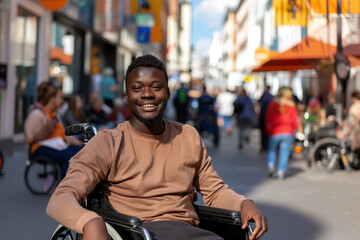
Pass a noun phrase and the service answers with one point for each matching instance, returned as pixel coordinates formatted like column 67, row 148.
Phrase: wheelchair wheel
column 41, row 175
column 62, row 232
column 323, row 151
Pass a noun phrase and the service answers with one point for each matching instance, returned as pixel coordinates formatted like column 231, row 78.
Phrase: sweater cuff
column 84, row 219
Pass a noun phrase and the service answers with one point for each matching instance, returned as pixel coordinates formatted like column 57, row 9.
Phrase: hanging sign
column 53, row 5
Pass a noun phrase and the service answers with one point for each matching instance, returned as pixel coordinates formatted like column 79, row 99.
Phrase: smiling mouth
column 149, row 106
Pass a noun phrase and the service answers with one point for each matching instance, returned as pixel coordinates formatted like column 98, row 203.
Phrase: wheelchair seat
column 225, row 223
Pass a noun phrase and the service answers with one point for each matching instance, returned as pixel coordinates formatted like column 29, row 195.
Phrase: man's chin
column 150, row 121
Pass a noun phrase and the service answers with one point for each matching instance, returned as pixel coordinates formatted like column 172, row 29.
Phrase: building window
column 26, row 38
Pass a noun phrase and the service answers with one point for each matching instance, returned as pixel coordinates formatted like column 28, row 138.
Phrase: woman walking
column 281, row 123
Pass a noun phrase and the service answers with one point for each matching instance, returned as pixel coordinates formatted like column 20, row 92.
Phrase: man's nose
column 147, row 92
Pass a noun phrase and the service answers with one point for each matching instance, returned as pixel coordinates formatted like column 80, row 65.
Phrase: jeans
column 227, row 122
column 284, row 141
column 62, row 157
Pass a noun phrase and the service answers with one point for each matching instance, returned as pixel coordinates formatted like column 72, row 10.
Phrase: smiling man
column 147, row 168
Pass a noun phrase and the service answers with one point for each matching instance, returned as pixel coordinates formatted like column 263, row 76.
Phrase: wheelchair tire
column 41, row 175
column 323, row 151
column 62, row 232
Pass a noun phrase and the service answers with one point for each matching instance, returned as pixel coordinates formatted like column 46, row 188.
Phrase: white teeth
column 148, row 105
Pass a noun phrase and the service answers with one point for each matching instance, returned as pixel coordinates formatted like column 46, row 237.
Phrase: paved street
column 310, row 204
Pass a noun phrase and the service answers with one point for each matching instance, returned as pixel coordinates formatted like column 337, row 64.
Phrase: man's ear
column 168, row 93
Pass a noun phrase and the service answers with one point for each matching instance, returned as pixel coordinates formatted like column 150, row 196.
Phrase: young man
column 148, row 167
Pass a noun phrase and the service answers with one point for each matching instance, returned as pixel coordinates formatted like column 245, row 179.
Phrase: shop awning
column 352, row 49
column 304, row 55
column 263, row 54
column 58, row 54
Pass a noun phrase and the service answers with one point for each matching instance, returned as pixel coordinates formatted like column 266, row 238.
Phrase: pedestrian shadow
column 285, row 223
column 293, row 171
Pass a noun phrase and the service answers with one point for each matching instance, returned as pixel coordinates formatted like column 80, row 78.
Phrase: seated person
column 96, row 115
column 148, row 167
column 350, row 127
column 74, row 113
column 43, row 124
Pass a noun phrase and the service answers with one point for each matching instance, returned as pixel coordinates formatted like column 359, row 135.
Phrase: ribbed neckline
column 149, row 136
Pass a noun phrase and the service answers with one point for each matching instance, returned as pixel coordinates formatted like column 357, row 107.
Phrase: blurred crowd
column 278, row 116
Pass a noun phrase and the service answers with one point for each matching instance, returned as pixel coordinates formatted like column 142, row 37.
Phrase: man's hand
column 251, row 212
column 95, row 230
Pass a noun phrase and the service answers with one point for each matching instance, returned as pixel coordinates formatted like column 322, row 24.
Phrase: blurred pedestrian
column 350, row 128
column 312, row 116
column 264, row 101
column 44, row 131
column 119, row 112
column 74, row 111
column 245, row 116
column 281, row 123
column 181, row 103
column 108, row 86
column 96, row 114
column 224, row 103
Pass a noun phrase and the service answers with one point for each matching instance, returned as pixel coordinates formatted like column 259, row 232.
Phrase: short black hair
column 355, row 94
column 146, row 61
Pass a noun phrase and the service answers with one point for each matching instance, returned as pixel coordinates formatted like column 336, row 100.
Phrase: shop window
column 65, row 57
column 26, row 38
column 3, row 48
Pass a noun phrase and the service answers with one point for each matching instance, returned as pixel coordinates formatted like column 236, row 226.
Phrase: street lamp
column 341, row 66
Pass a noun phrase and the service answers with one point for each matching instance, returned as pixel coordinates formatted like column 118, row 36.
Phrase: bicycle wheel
column 324, row 150
column 62, row 232
column 41, row 175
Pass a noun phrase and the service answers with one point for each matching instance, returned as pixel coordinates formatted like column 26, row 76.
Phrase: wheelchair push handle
column 80, row 128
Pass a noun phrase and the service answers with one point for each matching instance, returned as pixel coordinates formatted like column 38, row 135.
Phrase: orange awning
column 263, row 54
column 304, row 55
column 57, row 53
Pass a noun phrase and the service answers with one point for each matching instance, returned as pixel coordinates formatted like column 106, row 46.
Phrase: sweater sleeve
column 214, row 191
column 86, row 169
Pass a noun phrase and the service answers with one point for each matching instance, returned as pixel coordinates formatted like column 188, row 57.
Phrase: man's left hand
column 250, row 212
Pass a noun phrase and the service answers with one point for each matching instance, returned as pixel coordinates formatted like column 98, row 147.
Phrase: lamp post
column 341, row 65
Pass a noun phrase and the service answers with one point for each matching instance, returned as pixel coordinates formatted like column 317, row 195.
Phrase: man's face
column 147, row 94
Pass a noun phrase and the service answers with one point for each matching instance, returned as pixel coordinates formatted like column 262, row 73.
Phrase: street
column 309, row 204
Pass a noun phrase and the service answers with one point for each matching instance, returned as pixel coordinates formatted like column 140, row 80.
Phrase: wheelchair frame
column 48, row 168
column 225, row 223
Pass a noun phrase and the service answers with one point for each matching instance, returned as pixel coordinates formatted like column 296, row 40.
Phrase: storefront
column 37, row 44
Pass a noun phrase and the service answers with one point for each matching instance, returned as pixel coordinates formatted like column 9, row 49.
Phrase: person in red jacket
column 281, row 123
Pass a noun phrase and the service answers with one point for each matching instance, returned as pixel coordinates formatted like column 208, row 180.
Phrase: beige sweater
column 150, row 177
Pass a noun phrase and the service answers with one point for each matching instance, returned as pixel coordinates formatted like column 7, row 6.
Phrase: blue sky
column 208, row 16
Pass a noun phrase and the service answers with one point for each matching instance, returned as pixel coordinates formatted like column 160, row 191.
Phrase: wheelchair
column 225, row 223
column 42, row 174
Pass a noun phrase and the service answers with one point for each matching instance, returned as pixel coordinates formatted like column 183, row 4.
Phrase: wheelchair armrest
column 117, row 218
column 219, row 214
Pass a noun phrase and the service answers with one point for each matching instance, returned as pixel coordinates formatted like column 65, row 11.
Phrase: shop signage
column 53, row 5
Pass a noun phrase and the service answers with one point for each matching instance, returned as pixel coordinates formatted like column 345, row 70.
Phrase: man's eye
column 137, row 89
column 156, row 87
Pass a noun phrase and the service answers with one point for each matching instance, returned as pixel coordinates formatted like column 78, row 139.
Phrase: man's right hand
column 95, row 230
